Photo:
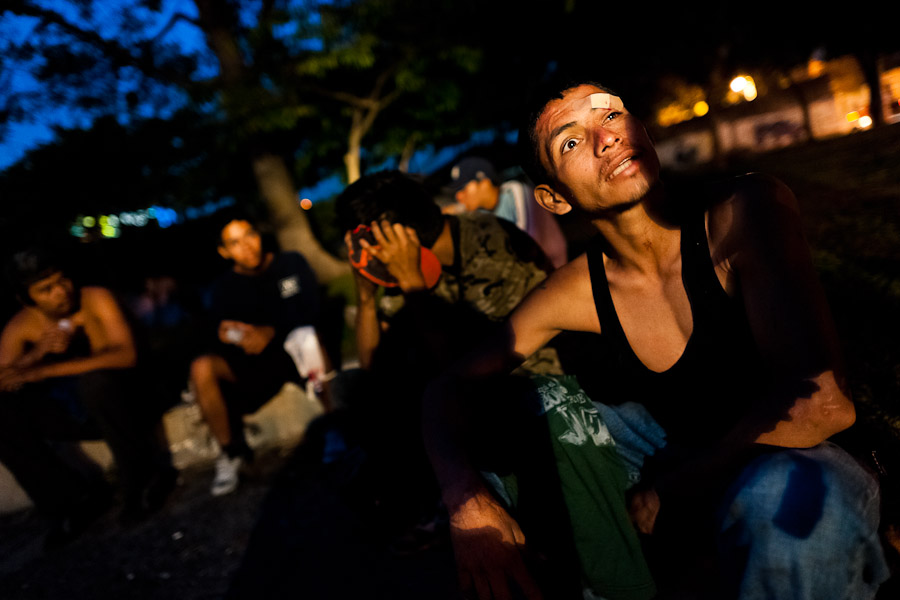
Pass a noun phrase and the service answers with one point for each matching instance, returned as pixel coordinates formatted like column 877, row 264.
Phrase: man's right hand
column 365, row 288
column 53, row 340
column 489, row 545
column 252, row 339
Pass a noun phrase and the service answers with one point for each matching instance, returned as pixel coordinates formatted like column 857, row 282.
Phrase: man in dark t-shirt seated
column 254, row 306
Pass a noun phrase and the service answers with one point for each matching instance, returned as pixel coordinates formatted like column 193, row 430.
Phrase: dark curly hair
column 393, row 196
column 29, row 266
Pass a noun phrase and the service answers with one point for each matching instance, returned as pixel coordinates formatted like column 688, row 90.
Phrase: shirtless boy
column 67, row 372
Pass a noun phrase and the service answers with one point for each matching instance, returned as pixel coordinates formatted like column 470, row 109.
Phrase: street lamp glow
column 701, row 108
column 750, row 91
column 738, row 84
column 865, row 121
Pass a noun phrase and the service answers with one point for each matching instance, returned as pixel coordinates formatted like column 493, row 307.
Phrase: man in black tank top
column 710, row 315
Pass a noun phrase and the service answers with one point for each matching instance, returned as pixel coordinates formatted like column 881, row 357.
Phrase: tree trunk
column 868, row 60
column 352, row 160
column 406, row 155
column 291, row 225
column 804, row 107
column 275, row 183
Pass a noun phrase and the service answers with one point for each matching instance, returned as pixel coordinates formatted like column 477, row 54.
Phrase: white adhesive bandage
column 604, row 100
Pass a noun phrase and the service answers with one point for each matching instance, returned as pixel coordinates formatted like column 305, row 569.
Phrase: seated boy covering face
column 476, row 269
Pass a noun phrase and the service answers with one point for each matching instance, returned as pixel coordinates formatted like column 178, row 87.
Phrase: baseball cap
column 473, row 167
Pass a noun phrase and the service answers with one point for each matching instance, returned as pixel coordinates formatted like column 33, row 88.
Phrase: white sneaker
column 226, row 479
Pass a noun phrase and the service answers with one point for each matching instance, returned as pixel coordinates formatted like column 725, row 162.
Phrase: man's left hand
column 644, row 508
column 400, row 251
column 256, row 338
column 12, row 378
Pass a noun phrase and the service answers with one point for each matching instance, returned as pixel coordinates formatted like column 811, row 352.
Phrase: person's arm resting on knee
column 112, row 345
column 487, row 541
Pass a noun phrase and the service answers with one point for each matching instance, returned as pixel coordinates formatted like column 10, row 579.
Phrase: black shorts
column 258, row 377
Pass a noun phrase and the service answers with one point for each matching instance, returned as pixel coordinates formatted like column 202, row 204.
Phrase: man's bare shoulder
column 25, row 324
column 96, row 298
column 564, row 301
column 572, row 277
column 748, row 205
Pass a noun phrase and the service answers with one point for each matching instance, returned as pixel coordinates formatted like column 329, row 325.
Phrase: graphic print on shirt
column 289, row 286
column 571, row 404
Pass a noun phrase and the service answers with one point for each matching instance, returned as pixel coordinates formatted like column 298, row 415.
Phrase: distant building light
column 865, row 121
column 853, row 116
column 165, row 217
column 749, row 89
column 816, row 67
column 738, row 84
column 701, row 108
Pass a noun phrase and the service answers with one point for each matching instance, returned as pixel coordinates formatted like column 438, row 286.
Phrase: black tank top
column 699, row 398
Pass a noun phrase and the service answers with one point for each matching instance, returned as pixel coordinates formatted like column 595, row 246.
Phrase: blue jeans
column 802, row 524
column 796, row 524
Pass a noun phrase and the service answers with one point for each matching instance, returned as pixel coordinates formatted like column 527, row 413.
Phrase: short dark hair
column 395, row 197
column 221, row 219
column 29, row 266
column 527, row 145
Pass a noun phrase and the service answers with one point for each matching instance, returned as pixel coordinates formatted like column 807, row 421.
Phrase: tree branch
column 118, row 54
column 346, row 98
column 172, row 22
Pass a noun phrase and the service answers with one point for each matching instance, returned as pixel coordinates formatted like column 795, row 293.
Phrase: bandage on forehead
column 604, row 100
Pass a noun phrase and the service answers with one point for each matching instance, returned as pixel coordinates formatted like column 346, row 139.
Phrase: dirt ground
column 294, row 527
column 188, row 550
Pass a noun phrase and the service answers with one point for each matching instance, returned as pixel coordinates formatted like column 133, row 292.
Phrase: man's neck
column 443, row 246
column 640, row 237
column 491, row 197
column 263, row 265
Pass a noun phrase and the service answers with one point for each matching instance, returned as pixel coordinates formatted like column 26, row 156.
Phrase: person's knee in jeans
column 801, row 523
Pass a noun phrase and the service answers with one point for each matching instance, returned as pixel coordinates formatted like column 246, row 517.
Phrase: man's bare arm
column 367, row 326
column 757, row 239
column 487, row 541
column 789, row 318
column 12, row 345
column 112, row 345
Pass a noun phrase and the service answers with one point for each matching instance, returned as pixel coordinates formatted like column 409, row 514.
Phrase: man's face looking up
column 241, row 244
column 599, row 156
column 53, row 295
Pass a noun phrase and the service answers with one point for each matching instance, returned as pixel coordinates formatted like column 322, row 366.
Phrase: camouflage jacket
column 495, row 265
